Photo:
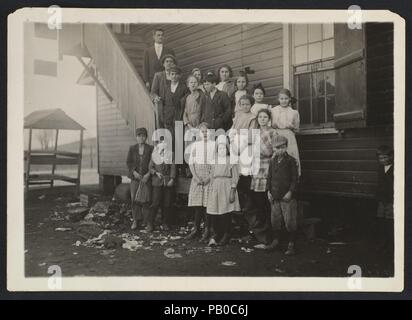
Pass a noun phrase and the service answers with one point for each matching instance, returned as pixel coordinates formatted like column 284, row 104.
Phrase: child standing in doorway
column 286, row 121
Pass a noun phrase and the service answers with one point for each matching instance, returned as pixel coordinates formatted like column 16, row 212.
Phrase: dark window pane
column 304, row 111
column 318, row 110
column 330, row 82
column 303, row 86
column 330, row 104
column 318, row 85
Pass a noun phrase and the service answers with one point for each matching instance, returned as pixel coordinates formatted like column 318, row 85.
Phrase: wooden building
column 342, row 79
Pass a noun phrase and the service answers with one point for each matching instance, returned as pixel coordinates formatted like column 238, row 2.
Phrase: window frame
column 327, row 127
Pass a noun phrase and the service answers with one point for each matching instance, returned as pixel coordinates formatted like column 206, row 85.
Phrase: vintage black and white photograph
column 241, row 150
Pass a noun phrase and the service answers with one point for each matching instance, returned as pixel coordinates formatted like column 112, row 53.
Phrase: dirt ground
column 168, row 254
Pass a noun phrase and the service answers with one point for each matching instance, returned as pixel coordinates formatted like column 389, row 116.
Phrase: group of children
column 266, row 196
column 219, row 187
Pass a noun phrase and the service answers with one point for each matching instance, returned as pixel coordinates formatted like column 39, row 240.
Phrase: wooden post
column 28, row 162
column 55, row 158
column 80, row 163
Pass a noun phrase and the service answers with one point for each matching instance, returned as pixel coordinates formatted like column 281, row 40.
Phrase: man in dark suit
column 153, row 57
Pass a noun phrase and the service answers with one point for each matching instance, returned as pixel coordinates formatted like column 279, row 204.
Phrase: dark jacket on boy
column 385, row 184
column 218, row 111
column 138, row 163
column 282, row 176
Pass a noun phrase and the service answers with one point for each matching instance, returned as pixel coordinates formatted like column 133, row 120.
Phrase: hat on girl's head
column 279, row 140
column 168, row 56
column 141, row 131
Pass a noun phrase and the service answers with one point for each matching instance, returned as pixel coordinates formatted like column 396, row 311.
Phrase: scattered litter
column 173, row 238
column 229, row 263
column 328, row 251
column 169, row 253
column 42, row 264
column 212, row 242
column 337, row 243
column 247, row 250
column 260, row 246
column 76, row 214
column 73, row 204
column 63, row 229
column 78, row 243
column 278, row 270
column 42, row 197
column 161, row 242
column 75, row 253
column 131, row 245
column 107, row 252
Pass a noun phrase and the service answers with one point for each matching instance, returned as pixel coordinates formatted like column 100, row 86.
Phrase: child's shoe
column 134, row 225
column 291, row 249
column 193, row 234
column 225, row 240
column 205, row 236
column 273, row 246
column 212, row 242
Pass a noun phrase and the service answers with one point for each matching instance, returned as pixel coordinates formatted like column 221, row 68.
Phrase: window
column 45, row 68
column 41, row 30
column 313, row 74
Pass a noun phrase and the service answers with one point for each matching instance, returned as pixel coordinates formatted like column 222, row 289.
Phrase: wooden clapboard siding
column 114, row 138
column 341, row 165
column 208, row 46
column 379, row 60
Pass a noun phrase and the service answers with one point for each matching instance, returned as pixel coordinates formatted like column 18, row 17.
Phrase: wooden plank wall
column 379, row 59
column 341, row 165
column 258, row 46
column 114, row 138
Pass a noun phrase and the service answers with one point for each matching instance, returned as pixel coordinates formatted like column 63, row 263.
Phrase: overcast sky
column 47, row 92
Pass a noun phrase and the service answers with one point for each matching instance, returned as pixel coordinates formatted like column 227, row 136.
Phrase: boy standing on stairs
column 153, row 57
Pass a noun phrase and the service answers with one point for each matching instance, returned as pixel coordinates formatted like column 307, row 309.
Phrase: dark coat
column 282, row 177
column 167, row 170
column 137, row 162
column 385, row 184
column 218, row 111
column 151, row 64
column 172, row 103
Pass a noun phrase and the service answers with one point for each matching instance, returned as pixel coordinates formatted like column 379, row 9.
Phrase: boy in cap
column 138, row 159
column 163, row 172
column 161, row 86
column 281, row 185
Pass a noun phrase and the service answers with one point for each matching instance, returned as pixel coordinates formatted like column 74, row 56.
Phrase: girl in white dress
column 201, row 156
column 223, row 198
column 286, row 121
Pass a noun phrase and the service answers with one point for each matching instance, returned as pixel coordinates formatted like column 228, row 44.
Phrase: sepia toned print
column 229, row 152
